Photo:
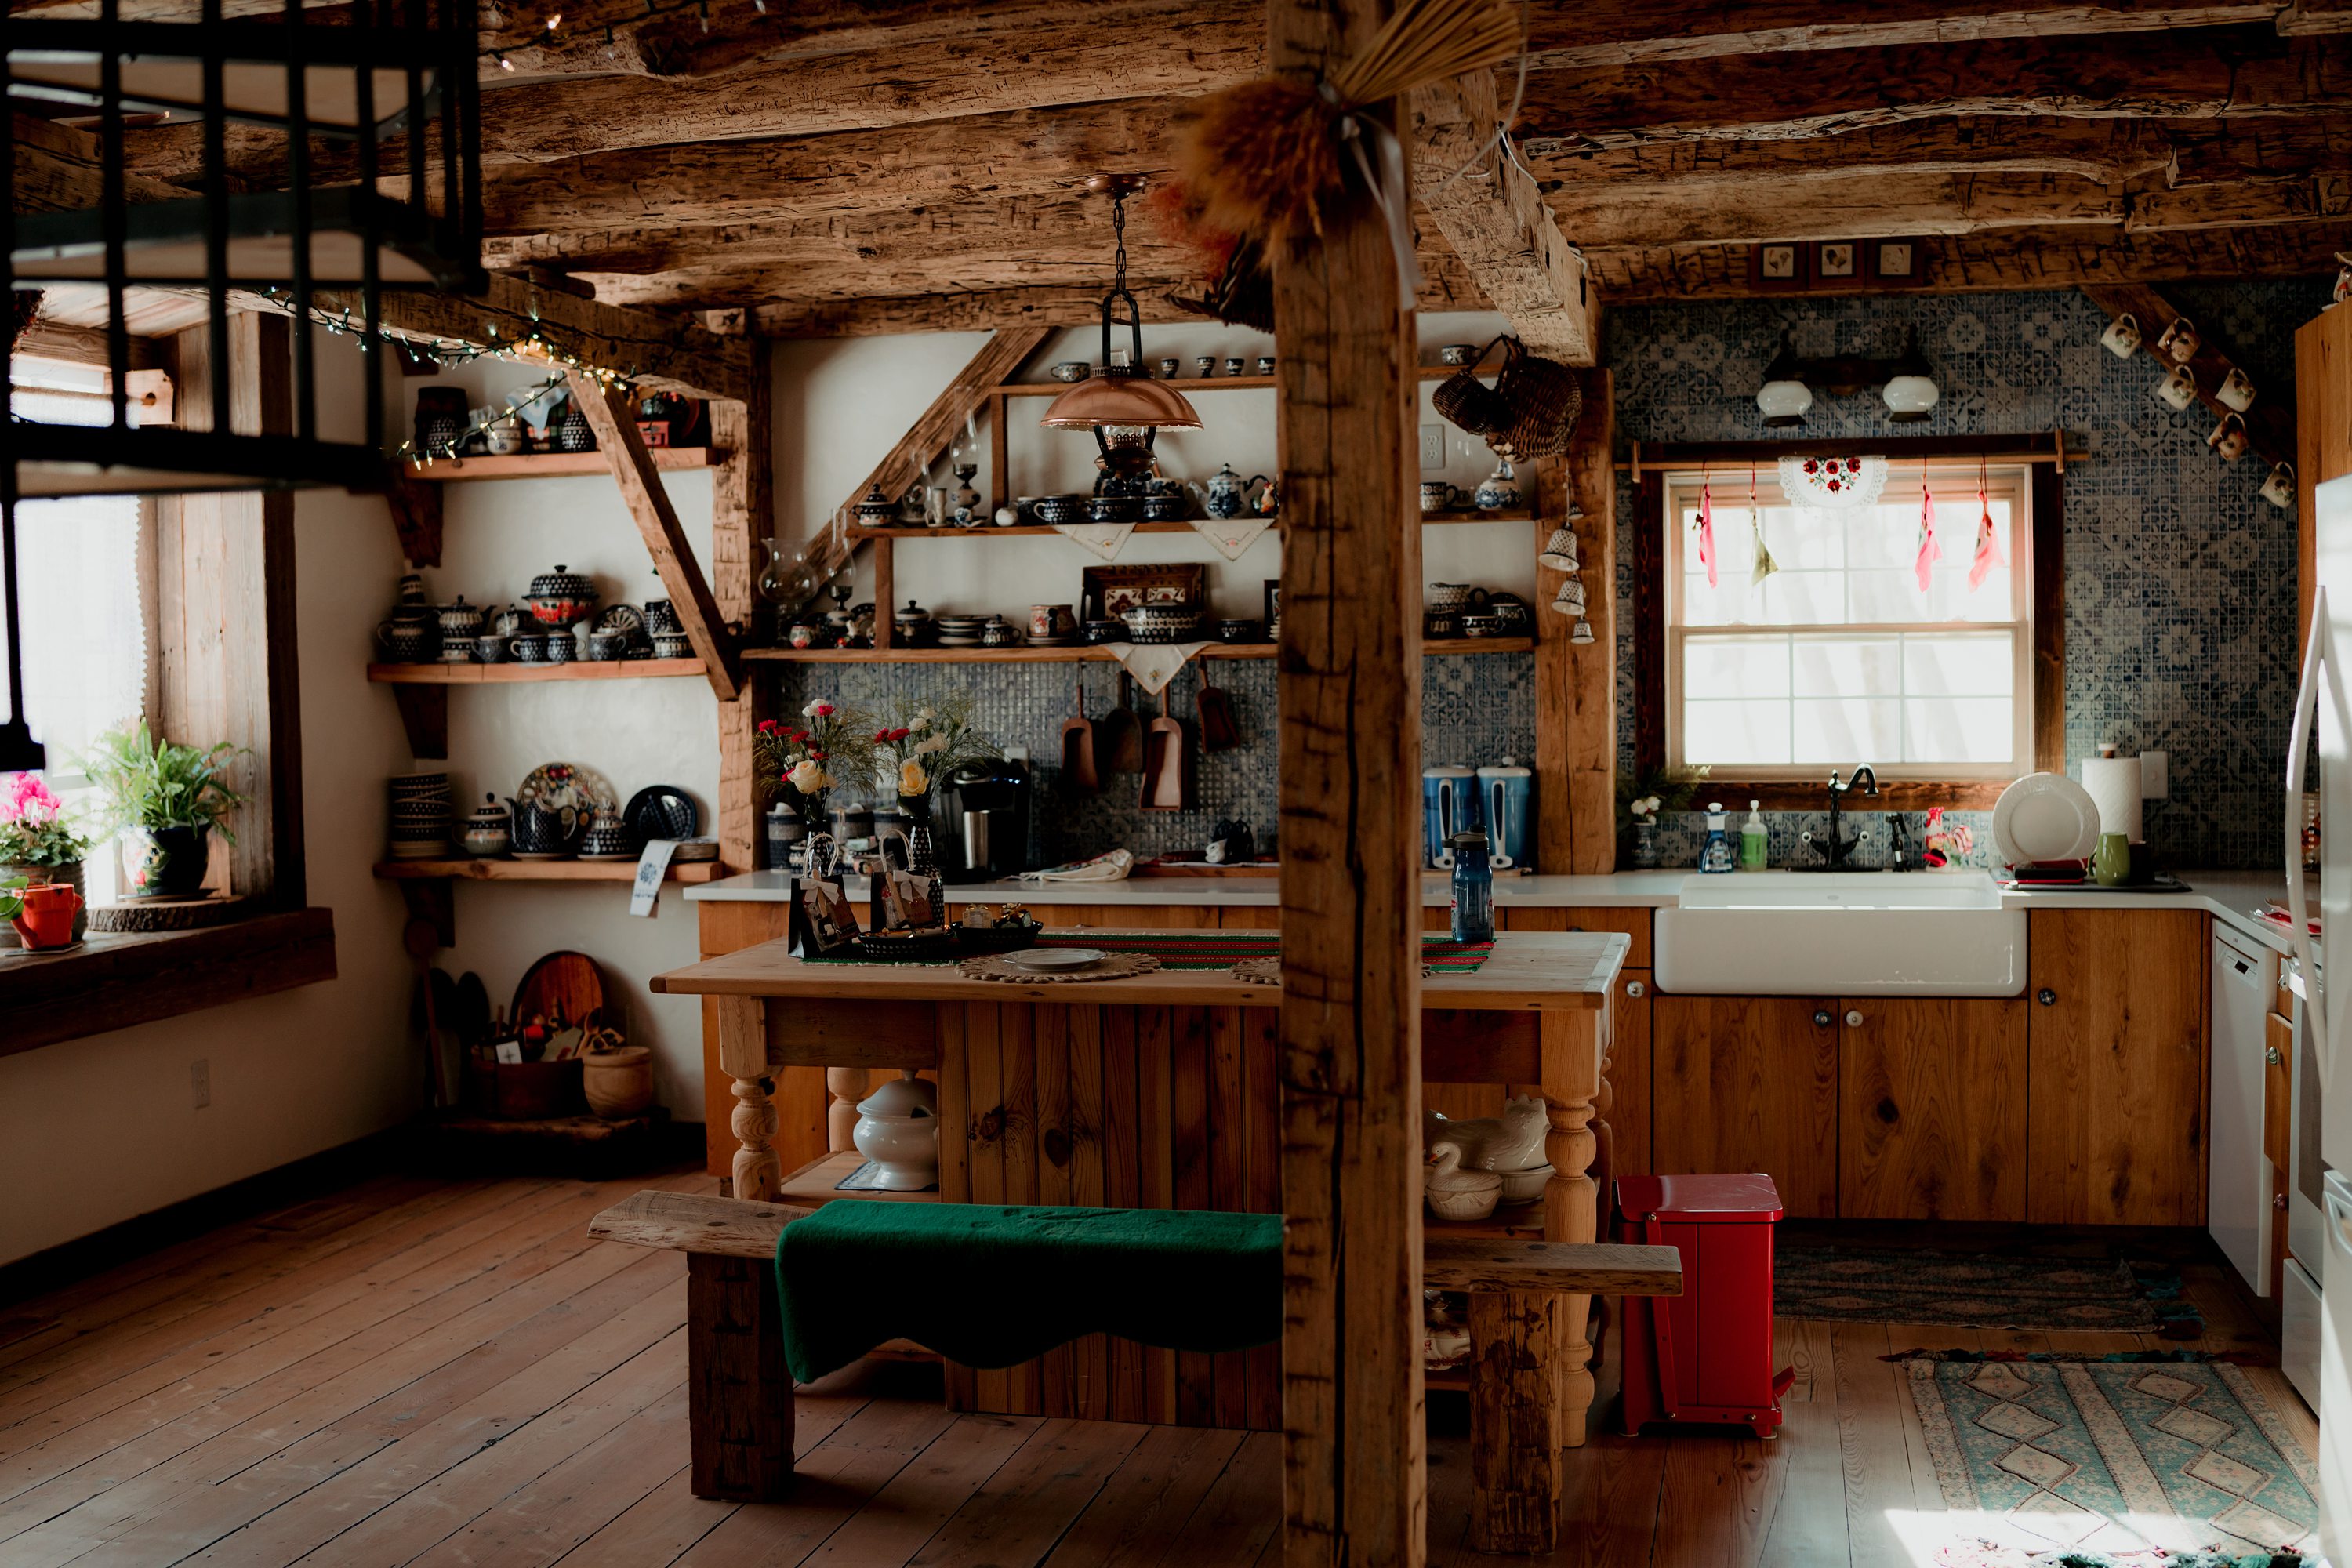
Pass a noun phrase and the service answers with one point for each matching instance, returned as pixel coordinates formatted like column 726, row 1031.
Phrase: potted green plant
column 163, row 801
column 37, row 844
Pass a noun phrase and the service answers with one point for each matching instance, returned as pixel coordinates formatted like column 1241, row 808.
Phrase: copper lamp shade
column 1126, row 395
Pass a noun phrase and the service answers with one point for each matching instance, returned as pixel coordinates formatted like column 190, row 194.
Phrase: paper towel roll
column 2114, row 786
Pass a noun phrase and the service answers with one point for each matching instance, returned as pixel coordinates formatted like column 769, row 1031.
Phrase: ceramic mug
column 1457, row 354
column 2236, row 391
column 2229, row 438
column 1236, row 364
column 2179, row 341
column 1052, row 621
column 673, row 645
column 1265, row 364
column 1436, row 495
column 528, row 649
column 490, row 648
column 1205, row 366
column 1453, row 598
column 563, row 648
column 2178, row 388
column 2122, row 337
column 2279, row 488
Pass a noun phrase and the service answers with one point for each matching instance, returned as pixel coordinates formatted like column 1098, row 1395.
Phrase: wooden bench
column 739, row 1392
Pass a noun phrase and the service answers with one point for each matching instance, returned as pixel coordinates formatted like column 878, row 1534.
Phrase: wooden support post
column 1572, row 1048
column 738, row 1389
column 1515, row 1420
column 1591, row 712
column 425, row 715
column 1354, row 1475
column 742, row 512
column 615, row 424
column 416, row 518
column 743, row 1057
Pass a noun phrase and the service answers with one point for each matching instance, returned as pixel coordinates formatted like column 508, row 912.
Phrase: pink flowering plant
column 34, row 830
column 833, row 746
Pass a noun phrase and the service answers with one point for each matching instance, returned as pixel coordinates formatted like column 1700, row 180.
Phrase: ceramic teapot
column 460, row 621
column 898, row 1130
column 876, row 511
column 489, row 831
column 606, row 837
column 1228, row 495
column 1499, row 491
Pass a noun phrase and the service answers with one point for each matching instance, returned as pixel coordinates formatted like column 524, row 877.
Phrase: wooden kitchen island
column 1163, row 1090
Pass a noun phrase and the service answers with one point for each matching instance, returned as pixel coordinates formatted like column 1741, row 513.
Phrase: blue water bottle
column 1474, row 889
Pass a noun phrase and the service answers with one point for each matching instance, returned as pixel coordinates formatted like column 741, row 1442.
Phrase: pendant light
column 1123, row 407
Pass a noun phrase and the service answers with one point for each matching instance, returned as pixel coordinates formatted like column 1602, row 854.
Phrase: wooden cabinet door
column 1747, row 1083
column 1630, row 1095
column 2115, row 1055
column 1931, row 1109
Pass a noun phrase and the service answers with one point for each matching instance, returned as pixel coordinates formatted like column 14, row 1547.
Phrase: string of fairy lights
column 534, row 347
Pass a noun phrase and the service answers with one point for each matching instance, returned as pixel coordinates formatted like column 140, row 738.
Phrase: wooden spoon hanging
column 1078, row 749
column 1120, row 734
column 1221, row 729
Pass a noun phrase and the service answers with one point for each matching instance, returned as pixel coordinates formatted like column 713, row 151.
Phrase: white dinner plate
column 1054, row 957
column 2043, row 817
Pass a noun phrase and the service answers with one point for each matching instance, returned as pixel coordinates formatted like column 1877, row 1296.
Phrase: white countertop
column 2230, row 896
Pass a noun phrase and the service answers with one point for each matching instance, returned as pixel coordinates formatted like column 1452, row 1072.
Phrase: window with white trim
column 1832, row 653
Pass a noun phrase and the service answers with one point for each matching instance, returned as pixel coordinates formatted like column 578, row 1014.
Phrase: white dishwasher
column 2238, row 1201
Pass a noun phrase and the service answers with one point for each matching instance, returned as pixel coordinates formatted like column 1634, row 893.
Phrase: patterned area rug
column 1894, row 1285
column 2056, row 1460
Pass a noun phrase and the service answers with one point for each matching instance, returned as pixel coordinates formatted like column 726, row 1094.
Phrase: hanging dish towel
column 1232, row 535
column 1103, row 539
column 1153, row 665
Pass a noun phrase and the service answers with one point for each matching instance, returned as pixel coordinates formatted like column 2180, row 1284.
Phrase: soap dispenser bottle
column 1754, row 843
column 1717, row 854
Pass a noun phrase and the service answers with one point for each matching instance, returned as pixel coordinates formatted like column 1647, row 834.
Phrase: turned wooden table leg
column 743, row 1057
column 1572, row 1048
column 846, row 1087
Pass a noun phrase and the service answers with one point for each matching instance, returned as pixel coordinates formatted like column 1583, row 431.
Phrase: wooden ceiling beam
column 2194, row 75
column 2000, row 260
column 2107, row 151
column 1493, row 215
column 2218, row 151
column 1853, row 206
column 2319, row 198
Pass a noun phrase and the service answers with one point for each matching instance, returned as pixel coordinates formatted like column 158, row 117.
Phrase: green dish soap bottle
column 1754, row 843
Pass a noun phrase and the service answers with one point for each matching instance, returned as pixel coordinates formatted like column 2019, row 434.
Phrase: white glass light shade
column 1784, row 402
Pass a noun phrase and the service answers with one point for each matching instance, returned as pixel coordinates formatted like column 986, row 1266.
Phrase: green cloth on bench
column 989, row 1286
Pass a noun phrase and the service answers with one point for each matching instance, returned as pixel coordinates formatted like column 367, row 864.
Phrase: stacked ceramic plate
column 420, row 817
column 2044, row 826
column 959, row 631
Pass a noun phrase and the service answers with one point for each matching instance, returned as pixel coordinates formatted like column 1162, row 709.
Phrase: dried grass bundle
column 1262, row 158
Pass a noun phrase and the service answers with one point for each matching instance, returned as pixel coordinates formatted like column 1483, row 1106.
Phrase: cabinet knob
column 1822, row 1020
column 1635, row 988
column 1853, row 1019
column 2270, row 1055
column 2278, row 1200
column 2046, row 996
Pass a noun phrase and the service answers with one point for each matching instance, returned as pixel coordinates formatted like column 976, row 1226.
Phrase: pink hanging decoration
column 1988, row 553
column 1707, row 530
column 1929, row 551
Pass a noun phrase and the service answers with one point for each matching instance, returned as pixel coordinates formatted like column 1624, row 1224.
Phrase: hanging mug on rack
column 2178, row 388
column 2122, row 337
column 2236, row 391
column 2179, row 341
column 2279, row 488
column 2229, row 438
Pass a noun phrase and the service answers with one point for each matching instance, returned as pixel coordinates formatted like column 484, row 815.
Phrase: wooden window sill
column 114, row 982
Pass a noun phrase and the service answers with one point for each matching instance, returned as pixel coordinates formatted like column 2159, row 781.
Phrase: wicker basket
column 1542, row 401
column 1469, row 403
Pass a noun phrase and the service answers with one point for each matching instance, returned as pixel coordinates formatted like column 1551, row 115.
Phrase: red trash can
column 1704, row 1357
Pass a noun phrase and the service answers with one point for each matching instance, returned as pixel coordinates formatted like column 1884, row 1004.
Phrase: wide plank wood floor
column 449, row 1373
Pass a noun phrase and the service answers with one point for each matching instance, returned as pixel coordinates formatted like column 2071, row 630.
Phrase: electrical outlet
column 200, row 1082
column 2155, row 775
column 1432, row 447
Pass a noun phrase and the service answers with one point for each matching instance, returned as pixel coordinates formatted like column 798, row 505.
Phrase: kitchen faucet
column 1865, row 778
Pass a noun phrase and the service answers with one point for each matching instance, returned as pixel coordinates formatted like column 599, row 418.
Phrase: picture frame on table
column 1775, row 264
column 1112, row 590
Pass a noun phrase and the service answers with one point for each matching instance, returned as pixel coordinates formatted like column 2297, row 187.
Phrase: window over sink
column 1813, row 645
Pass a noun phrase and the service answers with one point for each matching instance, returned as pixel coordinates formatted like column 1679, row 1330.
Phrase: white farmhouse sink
column 1841, row 933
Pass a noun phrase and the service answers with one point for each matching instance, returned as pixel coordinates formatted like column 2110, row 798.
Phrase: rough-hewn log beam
column 2108, row 151
column 1853, row 206
column 1494, row 216
column 2316, row 199
column 675, row 352
column 2223, row 150
column 2222, row 71
column 1997, row 261
column 56, row 170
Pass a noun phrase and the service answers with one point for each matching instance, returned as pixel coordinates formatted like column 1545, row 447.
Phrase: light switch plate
column 1432, row 447
column 2155, row 775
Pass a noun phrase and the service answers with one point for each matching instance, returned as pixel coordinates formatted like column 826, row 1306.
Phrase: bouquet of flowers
column 924, row 740
column 811, row 760
column 33, row 826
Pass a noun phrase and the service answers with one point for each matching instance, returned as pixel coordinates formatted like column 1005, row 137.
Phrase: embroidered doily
column 1832, row 481
column 1111, row 967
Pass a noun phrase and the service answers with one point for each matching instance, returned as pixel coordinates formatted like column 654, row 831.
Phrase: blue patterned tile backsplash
column 2179, row 591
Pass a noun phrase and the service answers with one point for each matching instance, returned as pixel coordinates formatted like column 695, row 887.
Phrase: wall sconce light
column 1911, row 391
column 1906, row 383
column 1784, row 396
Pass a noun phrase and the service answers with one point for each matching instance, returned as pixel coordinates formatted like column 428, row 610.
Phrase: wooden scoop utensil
column 1120, row 734
column 1221, row 729
column 1079, row 748
column 1166, row 762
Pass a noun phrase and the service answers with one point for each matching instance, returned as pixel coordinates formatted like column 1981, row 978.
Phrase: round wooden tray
column 168, row 914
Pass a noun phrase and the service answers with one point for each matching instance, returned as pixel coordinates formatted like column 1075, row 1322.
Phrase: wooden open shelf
column 1039, row 530
column 1189, row 384
column 470, row 870
column 1078, row 653
column 1510, row 1222
column 501, row 674
column 814, row 1183
column 556, row 465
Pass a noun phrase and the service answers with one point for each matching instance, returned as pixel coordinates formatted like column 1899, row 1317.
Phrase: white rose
column 808, row 777
column 935, row 743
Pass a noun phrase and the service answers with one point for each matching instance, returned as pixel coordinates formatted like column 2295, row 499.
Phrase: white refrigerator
column 2323, row 713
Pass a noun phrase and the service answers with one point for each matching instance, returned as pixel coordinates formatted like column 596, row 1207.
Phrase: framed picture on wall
column 1895, row 261
column 1777, row 264
column 1273, row 604
column 1834, row 261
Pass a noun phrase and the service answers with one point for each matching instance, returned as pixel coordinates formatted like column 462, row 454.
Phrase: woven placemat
column 1110, row 966
column 1259, row 970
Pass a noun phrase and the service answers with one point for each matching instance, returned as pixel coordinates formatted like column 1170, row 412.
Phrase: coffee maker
column 983, row 827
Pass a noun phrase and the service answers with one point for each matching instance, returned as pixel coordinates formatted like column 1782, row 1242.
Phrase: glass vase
column 922, row 857
column 1645, row 846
